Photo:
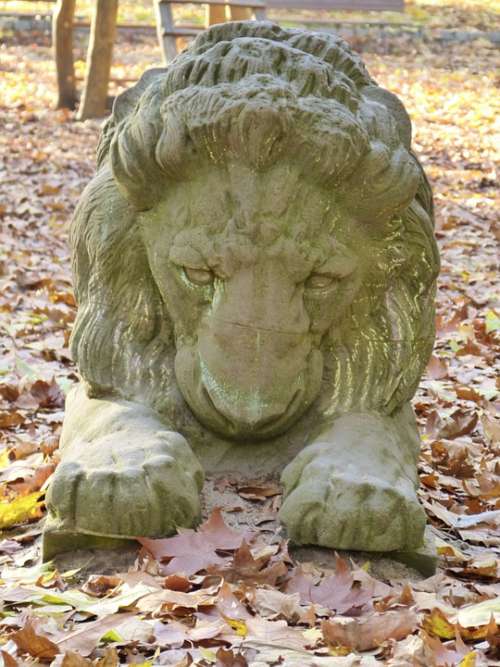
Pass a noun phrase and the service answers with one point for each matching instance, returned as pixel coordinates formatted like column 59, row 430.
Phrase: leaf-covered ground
column 235, row 597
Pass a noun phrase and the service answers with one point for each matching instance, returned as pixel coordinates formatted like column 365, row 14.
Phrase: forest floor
column 244, row 600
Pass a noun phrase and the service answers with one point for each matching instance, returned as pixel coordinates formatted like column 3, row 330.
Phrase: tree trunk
column 100, row 51
column 62, row 44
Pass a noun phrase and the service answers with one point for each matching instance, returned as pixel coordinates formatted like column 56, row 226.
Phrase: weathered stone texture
column 255, row 271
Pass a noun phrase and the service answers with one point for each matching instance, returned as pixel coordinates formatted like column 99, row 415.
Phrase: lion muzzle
column 245, row 382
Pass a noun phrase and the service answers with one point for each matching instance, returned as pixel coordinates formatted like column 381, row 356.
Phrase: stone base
column 385, row 565
column 424, row 559
column 389, row 565
column 56, row 541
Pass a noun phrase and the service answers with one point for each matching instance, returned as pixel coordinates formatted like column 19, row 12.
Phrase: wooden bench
column 348, row 5
column 168, row 32
column 236, row 10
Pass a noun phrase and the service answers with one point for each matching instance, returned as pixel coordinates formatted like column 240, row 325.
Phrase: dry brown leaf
column 110, row 658
column 8, row 659
column 175, row 582
column 368, row 632
column 42, row 394
column 85, row 636
column 22, row 449
column 437, row 369
column 193, row 551
column 259, row 492
column 439, row 655
column 72, row 659
column 274, row 633
column 272, row 603
column 10, row 419
column 35, row 644
column 231, row 606
column 251, row 570
column 101, row 585
column 33, row 482
column 491, row 428
column 341, row 592
column 227, row 658
column 170, row 601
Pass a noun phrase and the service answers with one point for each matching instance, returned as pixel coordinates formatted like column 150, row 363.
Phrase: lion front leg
column 355, row 486
column 122, row 473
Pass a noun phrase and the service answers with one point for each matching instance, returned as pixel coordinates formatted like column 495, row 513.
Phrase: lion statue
column 255, row 269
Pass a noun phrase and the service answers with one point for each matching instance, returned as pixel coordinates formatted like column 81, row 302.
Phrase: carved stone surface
column 255, row 271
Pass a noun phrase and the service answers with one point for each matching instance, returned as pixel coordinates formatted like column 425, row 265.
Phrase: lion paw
column 349, row 509
column 117, row 487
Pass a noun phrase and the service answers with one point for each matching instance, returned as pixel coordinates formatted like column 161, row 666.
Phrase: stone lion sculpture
column 255, row 270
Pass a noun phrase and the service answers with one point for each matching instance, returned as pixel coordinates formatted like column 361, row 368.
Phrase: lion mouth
column 251, row 412
column 260, row 427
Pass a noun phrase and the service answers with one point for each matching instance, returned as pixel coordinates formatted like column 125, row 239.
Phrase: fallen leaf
column 257, row 492
column 437, row 368
column 437, row 624
column 229, row 605
column 72, row 659
column 85, row 637
column 469, row 520
column 227, row 658
column 42, row 394
column 240, row 627
column 80, row 601
column 167, row 600
column 8, row 660
column 20, row 510
column 251, row 570
column 439, row 655
column 261, row 631
column 100, row 585
column 271, row 603
column 340, row 592
column 22, row 449
column 34, row 482
column 10, row 419
column 35, row 644
column 193, row 551
column 362, row 634
column 480, row 614
column 173, row 634
column 175, row 582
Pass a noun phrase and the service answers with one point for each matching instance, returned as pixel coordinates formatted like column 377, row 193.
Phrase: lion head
column 258, row 238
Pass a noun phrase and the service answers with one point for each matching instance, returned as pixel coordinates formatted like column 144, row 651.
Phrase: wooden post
column 216, row 14
column 240, row 13
column 99, row 55
column 165, row 22
column 62, row 44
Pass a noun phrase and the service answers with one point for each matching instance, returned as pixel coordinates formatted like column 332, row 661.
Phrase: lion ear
column 132, row 151
column 125, row 103
column 123, row 106
column 130, row 162
column 395, row 108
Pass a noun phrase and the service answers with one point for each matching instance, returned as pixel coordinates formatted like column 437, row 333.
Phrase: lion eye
column 199, row 276
column 319, row 281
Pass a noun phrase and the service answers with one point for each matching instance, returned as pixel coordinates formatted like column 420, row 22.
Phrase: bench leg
column 165, row 22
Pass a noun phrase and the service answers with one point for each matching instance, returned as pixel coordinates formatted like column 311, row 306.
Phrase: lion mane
column 257, row 93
